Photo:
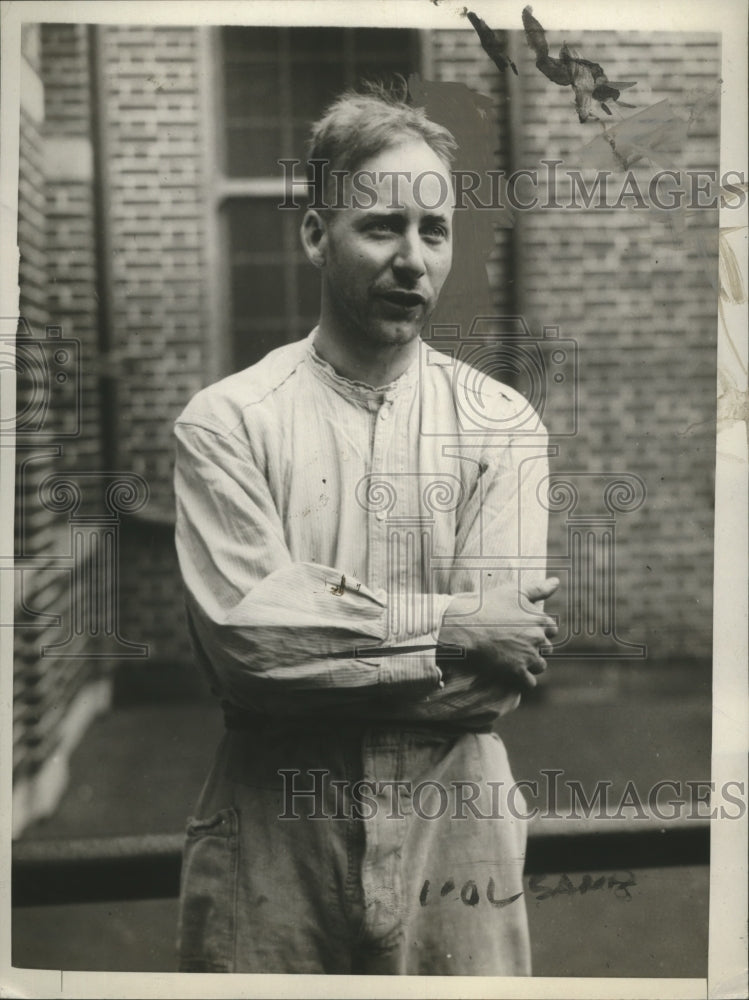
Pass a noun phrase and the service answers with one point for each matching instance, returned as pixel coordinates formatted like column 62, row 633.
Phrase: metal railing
column 95, row 869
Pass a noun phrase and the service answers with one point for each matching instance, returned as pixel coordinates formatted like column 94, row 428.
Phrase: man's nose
column 409, row 258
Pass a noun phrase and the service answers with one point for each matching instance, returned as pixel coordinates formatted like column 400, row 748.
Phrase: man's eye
column 435, row 232
column 381, row 226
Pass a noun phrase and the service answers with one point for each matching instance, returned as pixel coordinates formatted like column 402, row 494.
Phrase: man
column 353, row 562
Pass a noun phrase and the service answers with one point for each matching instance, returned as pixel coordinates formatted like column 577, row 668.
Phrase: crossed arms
column 283, row 636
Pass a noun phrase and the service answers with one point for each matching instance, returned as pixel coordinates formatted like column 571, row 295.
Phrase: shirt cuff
column 419, row 665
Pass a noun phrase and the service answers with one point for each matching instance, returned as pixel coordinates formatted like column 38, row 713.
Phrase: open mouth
column 404, row 300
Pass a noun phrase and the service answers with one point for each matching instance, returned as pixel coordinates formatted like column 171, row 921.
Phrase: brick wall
column 640, row 305
column 154, row 335
column 32, row 464
column 156, row 205
column 57, row 687
column 161, row 330
column 72, row 291
column 644, row 330
column 642, row 308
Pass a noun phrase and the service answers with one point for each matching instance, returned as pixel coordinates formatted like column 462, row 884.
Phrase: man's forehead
column 406, row 174
column 405, row 152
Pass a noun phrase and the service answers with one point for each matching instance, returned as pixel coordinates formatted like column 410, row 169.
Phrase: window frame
column 221, row 189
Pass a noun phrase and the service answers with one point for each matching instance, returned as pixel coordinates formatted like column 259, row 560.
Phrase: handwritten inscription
column 470, row 894
column 566, row 887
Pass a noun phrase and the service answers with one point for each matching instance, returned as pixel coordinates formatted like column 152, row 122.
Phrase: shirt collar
column 359, row 391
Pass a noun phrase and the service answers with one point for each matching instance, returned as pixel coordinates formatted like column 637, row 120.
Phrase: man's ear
column 314, row 234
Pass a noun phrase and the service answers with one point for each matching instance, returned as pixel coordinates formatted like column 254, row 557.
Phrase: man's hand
column 505, row 636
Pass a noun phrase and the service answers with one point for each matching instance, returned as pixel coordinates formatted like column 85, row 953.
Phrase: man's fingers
column 540, row 591
column 540, row 637
column 538, row 665
column 527, row 679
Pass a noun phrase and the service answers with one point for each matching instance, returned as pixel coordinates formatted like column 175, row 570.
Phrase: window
column 273, row 82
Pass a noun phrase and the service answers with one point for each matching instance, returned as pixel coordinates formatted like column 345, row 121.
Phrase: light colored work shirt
column 323, row 527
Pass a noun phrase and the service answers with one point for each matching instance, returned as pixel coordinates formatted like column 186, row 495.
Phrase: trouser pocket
column 207, row 918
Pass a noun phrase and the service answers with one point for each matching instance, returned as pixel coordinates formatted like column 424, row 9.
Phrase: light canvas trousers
column 398, row 874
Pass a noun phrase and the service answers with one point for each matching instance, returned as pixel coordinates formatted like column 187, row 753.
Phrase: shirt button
column 385, row 412
column 380, row 515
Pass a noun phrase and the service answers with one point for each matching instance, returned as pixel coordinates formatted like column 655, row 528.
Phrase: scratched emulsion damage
column 733, row 402
column 731, row 285
column 655, row 134
column 587, row 79
column 491, row 44
column 654, row 137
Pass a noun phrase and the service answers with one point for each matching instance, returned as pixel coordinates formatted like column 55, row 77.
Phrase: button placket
column 377, row 530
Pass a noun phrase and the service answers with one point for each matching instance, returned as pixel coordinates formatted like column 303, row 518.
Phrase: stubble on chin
column 394, row 335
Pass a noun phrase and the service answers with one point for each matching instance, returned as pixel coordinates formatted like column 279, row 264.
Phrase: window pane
column 253, row 150
column 242, row 42
column 254, row 226
column 379, row 53
column 382, row 42
column 315, row 43
column 276, row 82
column 252, row 89
column 314, row 87
column 257, row 291
column 308, row 285
column 251, row 344
column 376, row 70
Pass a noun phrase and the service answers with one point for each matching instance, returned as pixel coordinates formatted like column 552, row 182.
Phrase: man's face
column 388, row 251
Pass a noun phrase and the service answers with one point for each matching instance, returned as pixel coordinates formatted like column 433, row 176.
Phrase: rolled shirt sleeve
column 261, row 619
column 294, row 604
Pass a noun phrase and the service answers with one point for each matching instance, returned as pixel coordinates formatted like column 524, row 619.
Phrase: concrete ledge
column 91, row 869
column 39, row 795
